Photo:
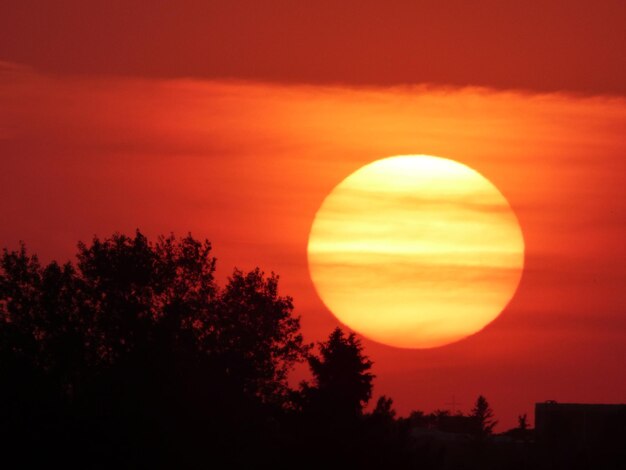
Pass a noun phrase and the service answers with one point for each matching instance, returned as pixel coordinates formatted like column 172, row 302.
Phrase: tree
column 387, row 441
column 342, row 381
column 383, row 411
column 482, row 416
column 331, row 425
column 128, row 294
column 256, row 333
column 136, row 342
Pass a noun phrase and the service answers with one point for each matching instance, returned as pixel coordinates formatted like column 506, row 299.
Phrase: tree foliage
column 138, row 338
column 482, row 416
column 342, row 381
column 126, row 294
column 384, row 409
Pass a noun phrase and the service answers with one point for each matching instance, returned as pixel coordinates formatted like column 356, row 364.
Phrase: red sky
column 543, row 45
column 234, row 121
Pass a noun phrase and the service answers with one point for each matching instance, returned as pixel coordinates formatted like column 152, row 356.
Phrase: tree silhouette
column 383, row 411
column 334, row 428
column 343, row 383
column 256, row 333
column 482, row 417
column 137, row 344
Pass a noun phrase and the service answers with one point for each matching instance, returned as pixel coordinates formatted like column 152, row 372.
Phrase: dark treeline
column 134, row 357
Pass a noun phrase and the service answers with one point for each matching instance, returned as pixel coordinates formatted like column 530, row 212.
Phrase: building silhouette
column 573, row 435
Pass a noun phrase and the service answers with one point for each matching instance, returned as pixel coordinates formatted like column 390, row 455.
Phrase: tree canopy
column 138, row 336
column 342, row 381
column 482, row 417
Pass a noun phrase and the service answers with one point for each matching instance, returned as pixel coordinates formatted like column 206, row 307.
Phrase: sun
column 415, row 251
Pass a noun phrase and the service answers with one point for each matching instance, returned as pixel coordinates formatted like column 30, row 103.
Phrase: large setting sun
column 416, row 251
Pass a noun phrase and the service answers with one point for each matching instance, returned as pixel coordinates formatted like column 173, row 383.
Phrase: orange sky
column 239, row 140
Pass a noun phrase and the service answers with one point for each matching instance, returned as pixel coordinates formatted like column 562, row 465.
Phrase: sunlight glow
column 415, row 251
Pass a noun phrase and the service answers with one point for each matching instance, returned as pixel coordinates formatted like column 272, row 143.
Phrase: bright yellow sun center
column 415, row 251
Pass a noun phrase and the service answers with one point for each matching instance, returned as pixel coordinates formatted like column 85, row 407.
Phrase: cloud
column 564, row 45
